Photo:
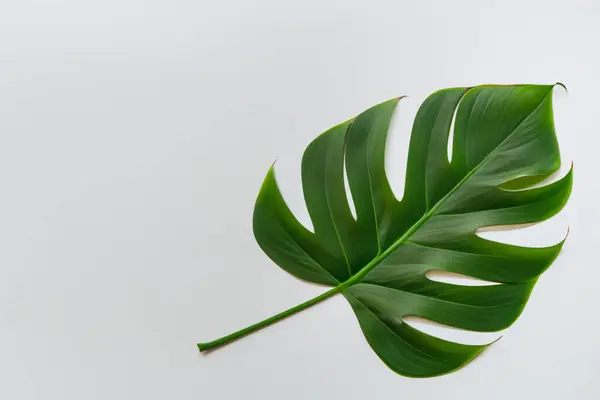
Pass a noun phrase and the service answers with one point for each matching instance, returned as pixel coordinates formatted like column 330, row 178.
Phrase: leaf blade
column 504, row 141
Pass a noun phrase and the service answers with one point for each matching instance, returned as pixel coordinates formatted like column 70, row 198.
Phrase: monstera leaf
column 504, row 142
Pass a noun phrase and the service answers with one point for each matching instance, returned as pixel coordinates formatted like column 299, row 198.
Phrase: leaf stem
column 253, row 328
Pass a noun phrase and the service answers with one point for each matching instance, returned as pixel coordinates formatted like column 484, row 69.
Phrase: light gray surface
column 134, row 137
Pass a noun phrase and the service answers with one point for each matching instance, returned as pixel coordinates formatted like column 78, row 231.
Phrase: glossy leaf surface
column 504, row 140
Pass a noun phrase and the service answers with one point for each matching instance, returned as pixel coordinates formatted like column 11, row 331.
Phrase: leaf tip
column 562, row 85
column 272, row 167
column 495, row 341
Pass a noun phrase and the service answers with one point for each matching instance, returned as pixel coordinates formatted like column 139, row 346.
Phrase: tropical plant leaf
column 504, row 141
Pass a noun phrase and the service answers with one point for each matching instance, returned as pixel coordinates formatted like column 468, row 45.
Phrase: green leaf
column 504, row 142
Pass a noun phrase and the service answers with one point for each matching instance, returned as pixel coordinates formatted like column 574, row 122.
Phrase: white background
column 134, row 136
